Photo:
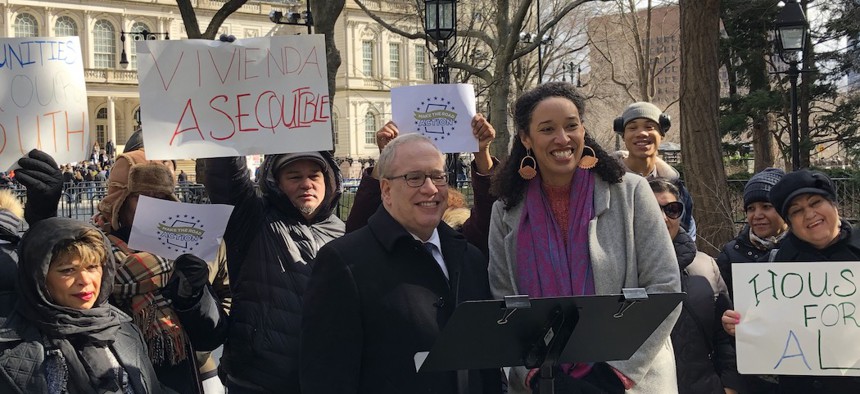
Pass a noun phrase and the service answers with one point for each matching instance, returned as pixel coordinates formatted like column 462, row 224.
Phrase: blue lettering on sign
column 37, row 52
column 792, row 337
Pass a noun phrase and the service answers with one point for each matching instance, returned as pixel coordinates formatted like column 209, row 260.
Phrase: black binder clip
column 631, row 296
column 512, row 303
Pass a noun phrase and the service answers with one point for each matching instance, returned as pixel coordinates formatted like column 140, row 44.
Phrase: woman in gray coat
column 569, row 222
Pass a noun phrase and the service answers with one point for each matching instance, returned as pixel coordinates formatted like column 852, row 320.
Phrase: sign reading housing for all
column 798, row 318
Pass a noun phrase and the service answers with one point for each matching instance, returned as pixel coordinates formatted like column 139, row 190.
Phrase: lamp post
column 137, row 36
column 304, row 18
column 440, row 25
column 791, row 29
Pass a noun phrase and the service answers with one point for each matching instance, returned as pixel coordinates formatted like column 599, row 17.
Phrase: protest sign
column 170, row 229
column 442, row 113
column 43, row 104
column 203, row 98
column 798, row 318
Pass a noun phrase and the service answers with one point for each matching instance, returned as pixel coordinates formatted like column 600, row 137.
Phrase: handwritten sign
column 798, row 318
column 202, row 98
column 441, row 112
column 43, row 99
column 170, row 229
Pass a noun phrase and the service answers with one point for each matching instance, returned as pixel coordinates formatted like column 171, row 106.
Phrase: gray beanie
column 644, row 110
column 757, row 188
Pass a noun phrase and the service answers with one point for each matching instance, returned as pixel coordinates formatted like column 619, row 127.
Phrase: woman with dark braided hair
column 570, row 221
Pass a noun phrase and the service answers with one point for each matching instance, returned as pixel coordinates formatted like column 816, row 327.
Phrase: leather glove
column 190, row 276
column 41, row 176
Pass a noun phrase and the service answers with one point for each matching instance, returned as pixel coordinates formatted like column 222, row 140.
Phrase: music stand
column 544, row 332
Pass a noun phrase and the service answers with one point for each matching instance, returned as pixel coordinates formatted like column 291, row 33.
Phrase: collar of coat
column 390, row 232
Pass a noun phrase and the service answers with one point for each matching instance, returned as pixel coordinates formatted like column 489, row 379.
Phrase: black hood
column 35, row 252
column 270, row 191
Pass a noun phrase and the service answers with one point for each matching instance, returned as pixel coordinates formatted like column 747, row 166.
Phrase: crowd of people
column 304, row 303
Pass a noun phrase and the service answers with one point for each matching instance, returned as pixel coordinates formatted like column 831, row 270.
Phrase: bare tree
column 624, row 44
column 505, row 19
column 700, row 134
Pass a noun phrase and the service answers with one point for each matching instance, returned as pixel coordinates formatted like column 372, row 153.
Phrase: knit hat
column 132, row 173
column 800, row 182
column 760, row 184
column 287, row 159
column 644, row 110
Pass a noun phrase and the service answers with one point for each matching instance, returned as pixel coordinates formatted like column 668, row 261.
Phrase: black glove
column 44, row 182
column 190, row 276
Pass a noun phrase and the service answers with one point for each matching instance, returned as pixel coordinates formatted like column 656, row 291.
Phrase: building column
column 111, row 120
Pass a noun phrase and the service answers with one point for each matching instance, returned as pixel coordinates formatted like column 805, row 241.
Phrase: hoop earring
column 528, row 172
column 588, row 162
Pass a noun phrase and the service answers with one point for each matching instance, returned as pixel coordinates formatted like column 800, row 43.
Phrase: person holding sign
column 476, row 226
column 807, row 201
column 570, row 221
column 64, row 336
column 272, row 240
column 704, row 353
column 384, row 292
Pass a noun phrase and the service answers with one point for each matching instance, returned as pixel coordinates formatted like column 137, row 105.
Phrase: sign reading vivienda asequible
column 798, row 318
column 203, row 98
column 43, row 99
column 441, row 112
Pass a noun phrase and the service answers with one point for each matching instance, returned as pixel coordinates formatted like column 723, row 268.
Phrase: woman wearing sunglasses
column 704, row 352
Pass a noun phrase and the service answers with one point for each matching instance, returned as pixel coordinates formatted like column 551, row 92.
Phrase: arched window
column 137, row 27
column 101, row 124
column 104, row 44
column 370, row 128
column 65, row 27
column 26, row 25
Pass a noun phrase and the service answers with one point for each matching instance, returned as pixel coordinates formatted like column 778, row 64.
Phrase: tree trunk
column 763, row 142
column 700, row 136
column 325, row 15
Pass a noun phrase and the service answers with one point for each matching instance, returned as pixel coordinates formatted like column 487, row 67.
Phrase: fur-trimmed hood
column 133, row 173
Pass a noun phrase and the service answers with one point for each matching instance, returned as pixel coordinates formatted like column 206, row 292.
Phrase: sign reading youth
column 202, row 98
column 43, row 99
column 798, row 318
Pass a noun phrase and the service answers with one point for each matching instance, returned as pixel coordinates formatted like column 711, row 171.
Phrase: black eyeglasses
column 673, row 210
column 417, row 178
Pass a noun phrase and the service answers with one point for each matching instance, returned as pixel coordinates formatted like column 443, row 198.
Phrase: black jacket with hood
column 270, row 253
column 26, row 350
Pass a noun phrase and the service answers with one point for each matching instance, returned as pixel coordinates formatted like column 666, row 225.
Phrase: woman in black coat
column 807, row 201
column 64, row 337
column 704, row 353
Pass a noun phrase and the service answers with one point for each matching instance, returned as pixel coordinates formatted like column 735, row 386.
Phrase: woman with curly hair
column 570, row 221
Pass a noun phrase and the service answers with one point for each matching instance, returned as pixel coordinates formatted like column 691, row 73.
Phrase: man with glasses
column 383, row 293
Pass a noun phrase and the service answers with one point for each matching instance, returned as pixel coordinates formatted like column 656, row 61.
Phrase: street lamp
column 528, row 38
column 440, row 25
column 292, row 18
column 137, row 36
column 791, row 30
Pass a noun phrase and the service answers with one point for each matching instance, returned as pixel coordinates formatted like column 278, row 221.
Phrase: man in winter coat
column 384, row 292
column 272, row 240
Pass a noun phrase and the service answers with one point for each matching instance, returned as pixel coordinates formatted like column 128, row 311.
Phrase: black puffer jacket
column 270, row 251
column 704, row 352
column 8, row 260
